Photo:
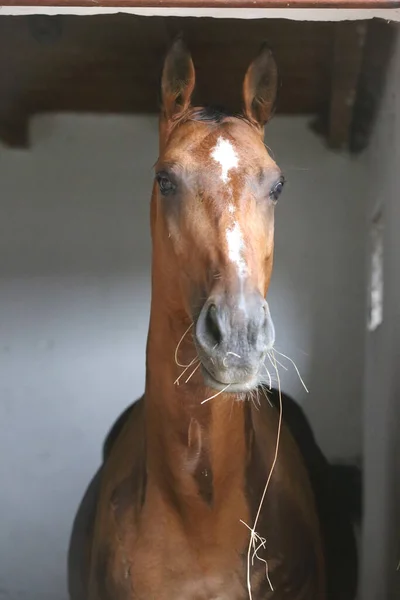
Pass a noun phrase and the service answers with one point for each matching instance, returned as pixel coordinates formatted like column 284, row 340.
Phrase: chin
column 242, row 387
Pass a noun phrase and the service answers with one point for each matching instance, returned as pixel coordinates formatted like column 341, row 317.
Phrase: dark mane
column 214, row 115
column 211, row 114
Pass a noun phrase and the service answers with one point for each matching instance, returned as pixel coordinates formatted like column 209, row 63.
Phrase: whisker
column 266, row 395
column 277, row 361
column 252, row 398
column 215, row 395
column 301, row 350
column 295, row 366
column 269, row 377
column 179, row 343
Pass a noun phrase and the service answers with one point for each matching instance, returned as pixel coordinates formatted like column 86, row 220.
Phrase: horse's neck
column 196, row 450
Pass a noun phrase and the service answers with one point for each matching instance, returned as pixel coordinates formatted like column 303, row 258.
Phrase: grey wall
column 381, row 542
column 74, row 293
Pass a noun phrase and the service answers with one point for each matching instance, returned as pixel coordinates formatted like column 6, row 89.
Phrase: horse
column 204, row 492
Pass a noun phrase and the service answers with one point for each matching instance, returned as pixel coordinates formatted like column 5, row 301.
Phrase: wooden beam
column 378, row 51
column 14, row 130
column 112, row 64
column 348, row 47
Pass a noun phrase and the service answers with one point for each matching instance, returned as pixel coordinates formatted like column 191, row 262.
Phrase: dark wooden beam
column 348, row 49
column 112, row 63
column 379, row 46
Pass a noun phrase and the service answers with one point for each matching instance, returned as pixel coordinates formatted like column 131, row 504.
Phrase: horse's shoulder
column 122, row 495
column 133, row 411
column 124, row 468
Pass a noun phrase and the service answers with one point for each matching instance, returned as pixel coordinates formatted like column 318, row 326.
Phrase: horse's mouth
column 234, row 387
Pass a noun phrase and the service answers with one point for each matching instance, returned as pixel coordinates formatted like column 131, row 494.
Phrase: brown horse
column 181, row 509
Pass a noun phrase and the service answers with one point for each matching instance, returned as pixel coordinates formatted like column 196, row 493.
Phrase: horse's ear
column 260, row 87
column 178, row 80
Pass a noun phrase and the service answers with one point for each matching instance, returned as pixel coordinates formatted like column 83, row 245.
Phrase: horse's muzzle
column 233, row 335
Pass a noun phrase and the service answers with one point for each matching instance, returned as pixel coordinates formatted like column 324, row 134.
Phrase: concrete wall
column 74, row 294
column 381, row 540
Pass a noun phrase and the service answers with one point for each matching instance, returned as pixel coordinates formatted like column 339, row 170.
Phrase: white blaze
column 235, row 247
column 224, row 154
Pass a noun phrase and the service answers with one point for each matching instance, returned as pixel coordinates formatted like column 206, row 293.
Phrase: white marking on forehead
column 224, row 154
column 235, row 247
column 231, row 208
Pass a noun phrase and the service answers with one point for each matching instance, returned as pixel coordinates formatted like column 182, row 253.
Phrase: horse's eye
column 277, row 189
column 164, row 183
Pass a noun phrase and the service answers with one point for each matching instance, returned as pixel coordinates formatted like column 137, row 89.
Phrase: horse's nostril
column 265, row 313
column 212, row 326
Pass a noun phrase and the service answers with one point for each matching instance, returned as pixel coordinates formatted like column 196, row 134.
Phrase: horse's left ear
column 178, row 80
column 260, row 88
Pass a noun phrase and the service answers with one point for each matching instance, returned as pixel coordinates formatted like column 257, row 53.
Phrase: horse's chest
column 205, row 587
column 157, row 568
column 152, row 555
column 179, row 574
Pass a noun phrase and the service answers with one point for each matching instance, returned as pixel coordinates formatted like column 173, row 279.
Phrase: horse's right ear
column 178, row 80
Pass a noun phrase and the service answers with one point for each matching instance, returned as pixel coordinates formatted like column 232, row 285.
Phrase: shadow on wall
column 317, row 293
column 75, row 289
